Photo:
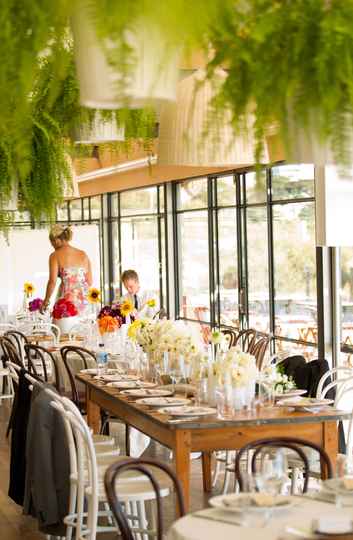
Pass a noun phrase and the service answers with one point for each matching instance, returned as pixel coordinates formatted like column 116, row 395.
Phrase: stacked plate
column 163, row 401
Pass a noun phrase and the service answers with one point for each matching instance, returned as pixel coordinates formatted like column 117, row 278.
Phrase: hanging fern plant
column 291, row 63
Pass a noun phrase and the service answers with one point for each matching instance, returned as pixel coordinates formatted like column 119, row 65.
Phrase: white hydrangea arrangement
column 280, row 381
column 236, row 368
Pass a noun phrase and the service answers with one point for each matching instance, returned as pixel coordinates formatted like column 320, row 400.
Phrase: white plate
column 91, row 371
column 240, row 502
column 290, row 393
column 145, row 392
column 118, row 377
column 131, row 384
column 304, row 403
column 163, row 401
column 188, row 411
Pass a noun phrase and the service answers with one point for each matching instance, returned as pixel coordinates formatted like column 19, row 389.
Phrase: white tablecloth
column 299, row 516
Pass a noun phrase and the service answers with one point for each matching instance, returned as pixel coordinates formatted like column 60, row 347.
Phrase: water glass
column 344, row 470
column 266, row 397
column 201, row 395
column 224, row 401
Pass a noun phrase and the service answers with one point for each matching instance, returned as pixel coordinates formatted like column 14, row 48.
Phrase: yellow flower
column 126, row 308
column 28, row 288
column 93, row 295
column 151, row 303
column 133, row 329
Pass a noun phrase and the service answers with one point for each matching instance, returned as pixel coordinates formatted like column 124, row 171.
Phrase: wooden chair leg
column 127, row 439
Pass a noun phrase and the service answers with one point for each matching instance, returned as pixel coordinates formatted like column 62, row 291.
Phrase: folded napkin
column 333, row 525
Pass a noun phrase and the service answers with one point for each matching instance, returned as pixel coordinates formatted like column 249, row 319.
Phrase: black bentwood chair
column 142, row 466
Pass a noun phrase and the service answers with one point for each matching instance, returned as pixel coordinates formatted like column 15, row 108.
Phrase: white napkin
column 334, row 525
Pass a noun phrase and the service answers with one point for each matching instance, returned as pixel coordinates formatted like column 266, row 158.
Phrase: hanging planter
column 296, row 52
column 149, row 75
column 99, row 131
column 190, row 135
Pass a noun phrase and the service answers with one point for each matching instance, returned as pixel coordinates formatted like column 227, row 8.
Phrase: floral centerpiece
column 28, row 289
column 237, row 370
column 280, row 381
column 65, row 315
column 119, row 312
column 35, row 304
column 93, row 295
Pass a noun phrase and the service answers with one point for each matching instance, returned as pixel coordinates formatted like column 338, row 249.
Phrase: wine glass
column 272, row 478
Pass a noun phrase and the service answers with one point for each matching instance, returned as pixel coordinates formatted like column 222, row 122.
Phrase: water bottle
column 101, row 358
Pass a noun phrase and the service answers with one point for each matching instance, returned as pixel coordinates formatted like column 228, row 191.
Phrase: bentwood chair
column 19, row 340
column 142, row 466
column 246, row 339
column 74, row 359
column 259, row 351
column 231, row 336
column 43, row 363
column 262, row 447
column 88, row 501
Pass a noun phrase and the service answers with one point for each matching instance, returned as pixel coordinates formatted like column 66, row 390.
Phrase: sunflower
column 126, row 308
column 28, row 288
column 151, row 303
column 133, row 329
column 94, row 295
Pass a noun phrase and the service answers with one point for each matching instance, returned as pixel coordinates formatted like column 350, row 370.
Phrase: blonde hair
column 60, row 232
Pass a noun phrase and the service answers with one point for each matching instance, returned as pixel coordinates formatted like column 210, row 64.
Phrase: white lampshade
column 153, row 77
column 182, row 128
column 100, row 131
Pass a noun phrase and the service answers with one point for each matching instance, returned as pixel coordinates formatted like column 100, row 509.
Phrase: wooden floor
column 15, row 526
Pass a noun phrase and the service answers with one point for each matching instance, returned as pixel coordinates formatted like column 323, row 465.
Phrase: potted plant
column 289, row 61
column 65, row 315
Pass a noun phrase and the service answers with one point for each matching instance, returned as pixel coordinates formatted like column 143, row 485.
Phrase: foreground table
column 298, row 517
column 210, row 433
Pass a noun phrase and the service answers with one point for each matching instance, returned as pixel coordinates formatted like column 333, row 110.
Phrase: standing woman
column 71, row 265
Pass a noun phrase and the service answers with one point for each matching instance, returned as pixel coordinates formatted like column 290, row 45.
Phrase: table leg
column 93, row 413
column 206, row 471
column 181, row 454
column 330, row 444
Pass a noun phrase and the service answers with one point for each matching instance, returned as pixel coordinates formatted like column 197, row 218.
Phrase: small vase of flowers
column 65, row 315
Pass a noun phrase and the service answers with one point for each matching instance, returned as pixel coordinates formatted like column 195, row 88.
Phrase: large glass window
column 138, row 226
column 228, row 267
column 295, row 271
column 194, row 266
column 347, row 304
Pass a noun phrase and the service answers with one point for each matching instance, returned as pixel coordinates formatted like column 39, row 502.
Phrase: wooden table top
column 270, row 415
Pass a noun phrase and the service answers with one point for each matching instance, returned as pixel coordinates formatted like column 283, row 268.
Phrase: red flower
column 64, row 308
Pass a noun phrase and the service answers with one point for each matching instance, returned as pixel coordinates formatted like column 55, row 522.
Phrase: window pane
column 228, row 267
column 139, row 201
column 61, row 212
column 226, row 191
column 139, row 250
column 85, row 208
column 292, row 181
column 347, row 297
column 257, row 249
column 192, row 194
column 193, row 253
column 96, row 207
column 115, row 204
column 161, row 198
column 255, row 185
column 295, row 271
column 75, row 210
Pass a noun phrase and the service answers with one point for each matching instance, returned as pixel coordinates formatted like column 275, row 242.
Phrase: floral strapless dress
column 74, row 286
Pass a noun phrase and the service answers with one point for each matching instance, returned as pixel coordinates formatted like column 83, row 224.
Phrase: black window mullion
column 211, row 280
column 176, row 251
column 166, row 245
column 271, row 269
column 119, row 244
column 160, row 268
column 240, row 252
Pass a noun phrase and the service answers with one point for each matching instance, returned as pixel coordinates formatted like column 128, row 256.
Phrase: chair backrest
column 291, row 443
column 47, row 329
column 83, row 467
column 19, row 340
column 259, row 350
column 231, row 336
column 161, row 314
column 38, row 356
column 340, row 374
column 10, row 351
column 142, row 466
column 75, row 358
column 246, row 339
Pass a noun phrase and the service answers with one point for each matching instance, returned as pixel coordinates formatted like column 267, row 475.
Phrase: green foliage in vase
column 290, row 62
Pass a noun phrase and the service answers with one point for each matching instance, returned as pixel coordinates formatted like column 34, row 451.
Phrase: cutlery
column 217, row 519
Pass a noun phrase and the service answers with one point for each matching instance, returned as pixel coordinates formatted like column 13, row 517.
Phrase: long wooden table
column 210, row 433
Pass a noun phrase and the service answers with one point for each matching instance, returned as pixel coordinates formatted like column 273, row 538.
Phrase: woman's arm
column 53, row 276
column 89, row 272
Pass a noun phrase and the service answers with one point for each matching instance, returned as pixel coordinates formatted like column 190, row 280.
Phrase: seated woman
column 71, row 265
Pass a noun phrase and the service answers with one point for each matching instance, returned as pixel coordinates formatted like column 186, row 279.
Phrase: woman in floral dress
column 72, row 266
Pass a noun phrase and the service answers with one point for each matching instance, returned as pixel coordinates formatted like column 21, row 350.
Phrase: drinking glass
column 273, row 476
column 344, row 470
column 201, row 394
column 266, row 397
column 224, row 401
